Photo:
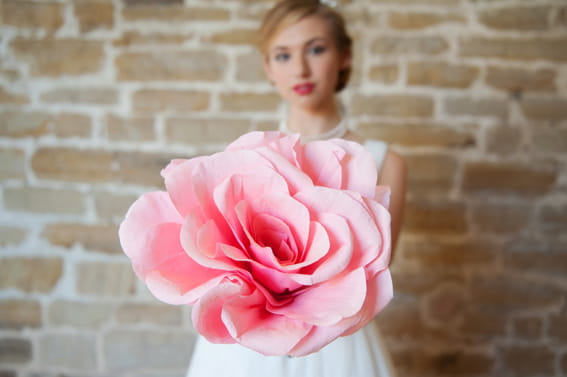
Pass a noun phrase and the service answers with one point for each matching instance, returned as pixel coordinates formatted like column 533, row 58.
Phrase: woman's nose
column 302, row 66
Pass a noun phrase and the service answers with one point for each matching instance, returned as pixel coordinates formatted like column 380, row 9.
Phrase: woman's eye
column 316, row 50
column 282, row 57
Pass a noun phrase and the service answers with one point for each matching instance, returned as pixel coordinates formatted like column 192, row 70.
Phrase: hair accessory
column 329, row 3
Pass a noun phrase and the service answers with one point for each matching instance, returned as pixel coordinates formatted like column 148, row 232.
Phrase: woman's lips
column 304, row 89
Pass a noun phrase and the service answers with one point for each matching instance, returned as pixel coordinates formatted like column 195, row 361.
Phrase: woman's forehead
column 301, row 32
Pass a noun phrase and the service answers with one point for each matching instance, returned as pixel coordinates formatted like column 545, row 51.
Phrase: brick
column 137, row 3
column 175, row 14
column 32, row 14
column 146, row 349
column 19, row 124
column 136, row 38
column 155, row 100
column 544, row 109
column 384, row 73
column 516, row 18
column 204, row 131
column 416, row 282
column 9, row 98
column 112, row 206
column 59, row 57
column 130, row 128
column 482, row 326
column 142, row 313
column 397, row 105
column 250, row 102
column 408, row 45
column 435, row 254
column 478, row 107
column 503, row 140
column 199, row 65
column 430, row 173
column 80, row 315
column 507, row 294
column 67, row 125
column 81, row 96
column 438, row 362
column 74, row 351
column 234, row 37
column 12, row 164
column 43, row 200
column 252, row 12
column 504, row 178
column 417, row 2
column 267, row 126
column 528, row 328
column 142, row 168
column 445, row 305
column 11, row 75
column 529, row 360
column 532, row 48
column 105, row 279
column 557, row 328
column 10, row 235
column 551, row 141
column 15, row 351
column 524, row 243
column 553, row 218
column 417, row 134
column 73, row 164
column 93, row 15
column 19, row 314
column 501, row 217
column 519, row 80
column 401, row 320
column 435, row 217
column 30, row 274
column 441, row 74
column 100, row 238
column 421, row 20
column 249, row 68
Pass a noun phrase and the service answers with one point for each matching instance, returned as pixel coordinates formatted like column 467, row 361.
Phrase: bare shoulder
column 394, row 167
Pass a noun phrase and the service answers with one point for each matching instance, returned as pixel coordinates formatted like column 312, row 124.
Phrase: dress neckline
column 338, row 131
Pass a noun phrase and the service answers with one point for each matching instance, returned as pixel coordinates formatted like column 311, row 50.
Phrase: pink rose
column 281, row 247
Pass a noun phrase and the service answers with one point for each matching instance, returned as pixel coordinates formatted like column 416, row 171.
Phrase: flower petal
column 329, row 302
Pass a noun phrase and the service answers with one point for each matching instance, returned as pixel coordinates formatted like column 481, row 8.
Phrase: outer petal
column 360, row 172
column 206, row 314
column 329, row 302
column 248, row 322
column 149, row 210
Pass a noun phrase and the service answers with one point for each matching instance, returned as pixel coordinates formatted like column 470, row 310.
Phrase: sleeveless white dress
column 361, row 354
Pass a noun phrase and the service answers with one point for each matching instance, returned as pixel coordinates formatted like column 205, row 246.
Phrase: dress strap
column 378, row 149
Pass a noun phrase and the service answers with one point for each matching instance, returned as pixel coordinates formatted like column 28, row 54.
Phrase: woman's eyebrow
column 311, row 41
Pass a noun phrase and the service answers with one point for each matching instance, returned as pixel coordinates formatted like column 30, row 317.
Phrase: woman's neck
column 310, row 123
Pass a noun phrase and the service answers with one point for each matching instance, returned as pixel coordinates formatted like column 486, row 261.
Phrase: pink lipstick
column 304, row 89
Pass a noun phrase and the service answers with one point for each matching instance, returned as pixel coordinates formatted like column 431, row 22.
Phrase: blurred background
column 96, row 96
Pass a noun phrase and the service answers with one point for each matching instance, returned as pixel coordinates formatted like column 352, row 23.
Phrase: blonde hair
column 288, row 12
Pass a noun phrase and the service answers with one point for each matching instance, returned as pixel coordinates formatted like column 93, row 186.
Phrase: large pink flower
column 280, row 246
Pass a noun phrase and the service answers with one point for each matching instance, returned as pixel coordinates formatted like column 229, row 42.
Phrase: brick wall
column 97, row 95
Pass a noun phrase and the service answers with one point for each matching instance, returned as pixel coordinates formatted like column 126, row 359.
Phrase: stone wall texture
column 97, row 95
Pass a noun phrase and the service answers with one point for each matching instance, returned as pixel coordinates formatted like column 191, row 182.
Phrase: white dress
column 360, row 354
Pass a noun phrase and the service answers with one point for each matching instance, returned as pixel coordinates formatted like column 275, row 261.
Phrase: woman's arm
column 394, row 174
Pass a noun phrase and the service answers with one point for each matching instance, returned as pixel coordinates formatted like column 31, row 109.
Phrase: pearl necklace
column 338, row 131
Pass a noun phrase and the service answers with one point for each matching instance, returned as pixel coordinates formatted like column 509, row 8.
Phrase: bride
column 307, row 57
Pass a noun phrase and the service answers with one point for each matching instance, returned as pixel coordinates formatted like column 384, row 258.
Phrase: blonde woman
column 307, row 57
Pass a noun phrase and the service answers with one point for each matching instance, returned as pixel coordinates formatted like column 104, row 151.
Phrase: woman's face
column 303, row 63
